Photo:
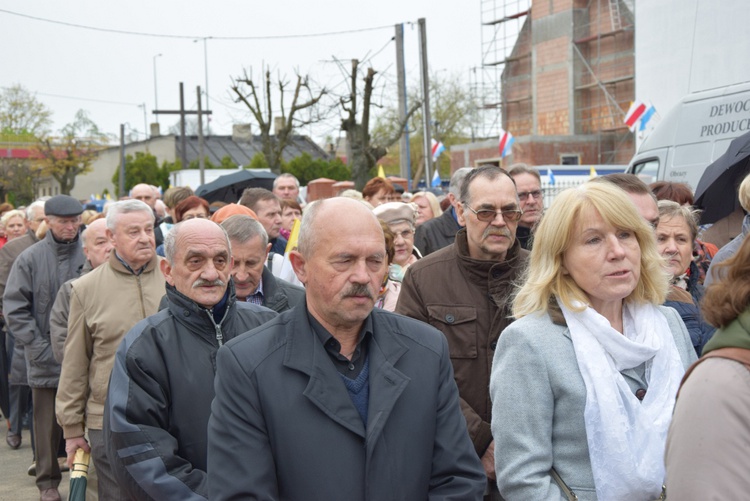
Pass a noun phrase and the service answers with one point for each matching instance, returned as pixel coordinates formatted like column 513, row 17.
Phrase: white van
column 693, row 134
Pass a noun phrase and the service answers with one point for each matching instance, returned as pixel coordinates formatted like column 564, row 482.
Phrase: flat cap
column 62, row 206
column 396, row 212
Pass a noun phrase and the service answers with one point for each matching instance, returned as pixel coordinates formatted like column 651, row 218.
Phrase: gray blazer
column 538, row 400
column 284, row 427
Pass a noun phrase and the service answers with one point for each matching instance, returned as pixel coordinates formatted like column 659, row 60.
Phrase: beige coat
column 104, row 305
column 708, row 446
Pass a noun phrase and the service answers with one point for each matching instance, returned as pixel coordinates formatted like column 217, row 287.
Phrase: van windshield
column 648, row 171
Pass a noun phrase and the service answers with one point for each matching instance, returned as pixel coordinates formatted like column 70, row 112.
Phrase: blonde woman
column 429, row 207
column 584, row 381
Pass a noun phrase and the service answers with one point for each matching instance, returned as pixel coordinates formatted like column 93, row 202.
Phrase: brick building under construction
column 559, row 76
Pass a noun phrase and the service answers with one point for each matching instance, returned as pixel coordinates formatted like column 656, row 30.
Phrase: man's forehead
column 526, row 179
column 499, row 191
column 254, row 245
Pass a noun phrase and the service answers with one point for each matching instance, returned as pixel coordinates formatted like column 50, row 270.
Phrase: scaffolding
column 502, row 21
column 604, row 76
column 601, row 56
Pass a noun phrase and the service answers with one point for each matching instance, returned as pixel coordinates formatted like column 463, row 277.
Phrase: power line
column 192, row 37
column 88, row 99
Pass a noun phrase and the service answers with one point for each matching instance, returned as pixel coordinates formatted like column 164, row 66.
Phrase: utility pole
column 427, row 146
column 182, row 112
column 201, row 151
column 405, row 156
column 122, row 160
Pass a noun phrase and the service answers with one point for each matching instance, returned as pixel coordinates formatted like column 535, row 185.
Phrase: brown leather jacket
column 469, row 301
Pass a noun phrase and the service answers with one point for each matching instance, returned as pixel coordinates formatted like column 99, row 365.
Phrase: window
column 570, row 159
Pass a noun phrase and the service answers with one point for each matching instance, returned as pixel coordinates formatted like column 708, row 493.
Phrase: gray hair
column 170, row 240
column 517, row 169
column 669, row 209
column 457, row 180
column 283, row 176
column 125, row 207
column 242, row 228
column 31, row 207
column 487, row 172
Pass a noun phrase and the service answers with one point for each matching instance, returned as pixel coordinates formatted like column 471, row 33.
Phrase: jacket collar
column 734, row 335
column 62, row 248
column 117, row 265
column 305, row 353
column 489, row 273
column 271, row 291
column 196, row 318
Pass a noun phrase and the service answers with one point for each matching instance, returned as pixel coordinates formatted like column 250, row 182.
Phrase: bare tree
column 273, row 142
column 363, row 154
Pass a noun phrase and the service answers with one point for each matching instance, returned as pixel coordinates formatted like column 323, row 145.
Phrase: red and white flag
column 636, row 111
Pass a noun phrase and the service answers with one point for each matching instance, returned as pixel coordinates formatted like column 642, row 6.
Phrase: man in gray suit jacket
column 336, row 400
column 253, row 282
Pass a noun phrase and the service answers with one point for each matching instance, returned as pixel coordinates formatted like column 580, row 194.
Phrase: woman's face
column 378, row 198
column 288, row 215
column 675, row 243
column 403, row 242
column 603, row 260
column 195, row 212
column 15, row 227
column 425, row 211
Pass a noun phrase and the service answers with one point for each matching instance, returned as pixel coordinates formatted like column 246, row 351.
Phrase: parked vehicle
column 693, row 134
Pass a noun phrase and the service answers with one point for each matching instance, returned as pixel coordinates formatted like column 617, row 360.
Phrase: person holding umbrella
column 731, row 248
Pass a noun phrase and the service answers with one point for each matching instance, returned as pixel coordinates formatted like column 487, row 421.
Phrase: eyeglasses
column 488, row 215
column 536, row 195
column 406, row 234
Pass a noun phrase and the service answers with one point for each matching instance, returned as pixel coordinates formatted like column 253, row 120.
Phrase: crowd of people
column 471, row 345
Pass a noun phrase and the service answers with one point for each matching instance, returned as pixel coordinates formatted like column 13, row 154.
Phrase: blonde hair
column 11, row 214
column 545, row 279
column 431, row 200
column 744, row 193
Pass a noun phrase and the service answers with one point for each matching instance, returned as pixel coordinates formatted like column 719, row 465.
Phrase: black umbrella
column 716, row 194
column 229, row 188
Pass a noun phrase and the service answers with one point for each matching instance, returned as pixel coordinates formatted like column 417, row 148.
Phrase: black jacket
column 160, row 394
column 436, row 233
column 690, row 312
column 279, row 295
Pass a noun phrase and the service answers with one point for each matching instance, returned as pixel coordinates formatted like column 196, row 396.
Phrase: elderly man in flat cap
column 400, row 218
column 34, row 279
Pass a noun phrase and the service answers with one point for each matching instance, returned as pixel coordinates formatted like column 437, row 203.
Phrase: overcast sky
column 111, row 74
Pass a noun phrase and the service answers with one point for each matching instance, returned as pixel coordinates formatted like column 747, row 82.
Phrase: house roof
column 241, row 152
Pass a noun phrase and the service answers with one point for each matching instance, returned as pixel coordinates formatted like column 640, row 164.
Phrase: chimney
column 241, row 133
column 278, row 124
column 155, row 131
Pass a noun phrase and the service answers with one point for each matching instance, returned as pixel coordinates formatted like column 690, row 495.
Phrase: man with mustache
column 104, row 305
column 334, row 399
column 464, row 291
column 161, row 387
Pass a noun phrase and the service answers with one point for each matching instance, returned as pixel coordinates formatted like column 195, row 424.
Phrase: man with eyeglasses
column 531, row 198
column 464, row 290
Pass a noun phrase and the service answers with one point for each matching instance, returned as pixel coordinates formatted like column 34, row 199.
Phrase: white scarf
column 626, row 436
